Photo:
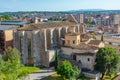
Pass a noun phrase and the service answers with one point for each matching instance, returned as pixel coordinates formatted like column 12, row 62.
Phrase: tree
column 11, row 69
column 1, row 65
column 102, row 37
column 5, row 17
column 11, row 64
column 11, row 54
column 56, row 59
column 66, row 70
column 1, row 62
column 107, row 60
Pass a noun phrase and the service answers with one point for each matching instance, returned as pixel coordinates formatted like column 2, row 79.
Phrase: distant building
column 6, row 36
column 116, row 23
column 117, row 28
column 13, row 22
column 117, row 19
column 80, row 18
column 7, row 28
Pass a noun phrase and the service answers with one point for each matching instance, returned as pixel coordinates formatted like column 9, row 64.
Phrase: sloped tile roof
column 94, row 42
column 82, row 46
column 47, row 25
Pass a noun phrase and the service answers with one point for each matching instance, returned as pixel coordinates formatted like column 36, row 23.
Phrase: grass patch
column 29, row 69
column 25, row 70
column 53, row 77
column 107, row 77
column 42, row 67
column 58, row 77
column 82, row 77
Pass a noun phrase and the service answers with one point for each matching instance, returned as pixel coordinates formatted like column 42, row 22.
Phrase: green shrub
column 10, row 66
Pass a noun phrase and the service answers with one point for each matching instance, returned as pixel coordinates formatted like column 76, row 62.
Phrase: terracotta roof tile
column 47, row 25
column 83, row 46
column 95, row 42
column 85, row 36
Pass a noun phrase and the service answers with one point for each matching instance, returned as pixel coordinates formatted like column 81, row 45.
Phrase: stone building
column 37, row 42
column 117, row 28
column 116, row 25
column 117, row 19
column 6, row 36
column 81, row 18
column 81, row 48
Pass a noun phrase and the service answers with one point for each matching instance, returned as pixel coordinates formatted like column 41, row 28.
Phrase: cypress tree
column 56, row 59
column 102, row 37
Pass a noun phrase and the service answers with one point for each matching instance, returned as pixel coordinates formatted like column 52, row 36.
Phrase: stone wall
column 36, row 43
column 87, row 61
column 92, row 74
column 24, row 47
column 36, row 47
column 69, row 51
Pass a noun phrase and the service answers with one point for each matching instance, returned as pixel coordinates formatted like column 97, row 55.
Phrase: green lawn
column 58, row 77
column 22, row 72
column 84, row 78
column 25, row 70
column 106, row 77
column 29, row 69
column 53, row 77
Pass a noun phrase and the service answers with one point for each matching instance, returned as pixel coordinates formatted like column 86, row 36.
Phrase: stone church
column 37, row 42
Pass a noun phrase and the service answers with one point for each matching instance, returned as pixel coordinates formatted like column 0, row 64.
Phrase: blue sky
column 57, row 5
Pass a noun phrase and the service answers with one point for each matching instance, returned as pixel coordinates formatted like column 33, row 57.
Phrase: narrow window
column 88, row 59
column 73, row 41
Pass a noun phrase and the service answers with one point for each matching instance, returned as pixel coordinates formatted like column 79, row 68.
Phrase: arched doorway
column 74, row 57
column 79, row 65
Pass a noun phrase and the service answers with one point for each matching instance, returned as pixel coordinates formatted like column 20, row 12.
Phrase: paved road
column 40, row 74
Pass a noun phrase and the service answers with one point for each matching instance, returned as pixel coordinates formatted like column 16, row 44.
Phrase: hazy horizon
column 54, row 5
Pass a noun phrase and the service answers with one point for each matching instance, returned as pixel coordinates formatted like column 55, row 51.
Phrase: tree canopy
column 11, row 67
column 10, row 64
column 107, row 60
column 11, row 54
column 5, row 17
column 66, row 70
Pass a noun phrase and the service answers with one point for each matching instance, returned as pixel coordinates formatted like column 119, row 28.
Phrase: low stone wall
column 92, row 74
